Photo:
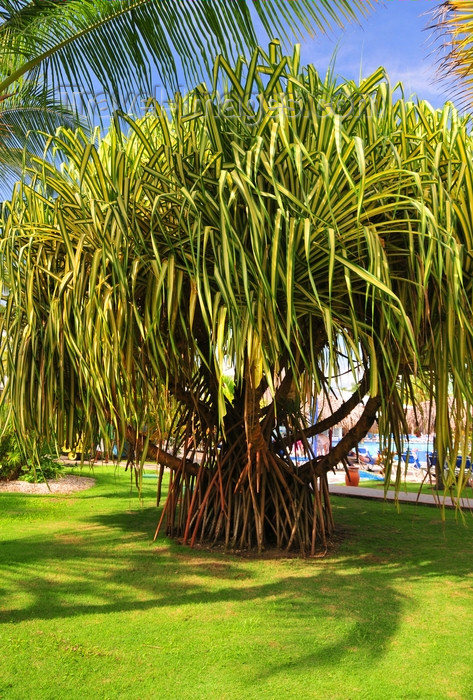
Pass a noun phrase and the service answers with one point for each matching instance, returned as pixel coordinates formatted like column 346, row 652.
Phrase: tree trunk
column 249, row 506
column 249, row 493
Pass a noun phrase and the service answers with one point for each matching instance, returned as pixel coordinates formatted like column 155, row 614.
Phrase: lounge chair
column 411, row 460
column 432, row 462
column 366, row 453
column 459, row 463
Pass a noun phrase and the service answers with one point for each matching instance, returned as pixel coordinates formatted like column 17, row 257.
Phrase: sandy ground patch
column 67, row 484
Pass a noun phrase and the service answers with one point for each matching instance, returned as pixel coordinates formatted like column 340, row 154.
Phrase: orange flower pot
column 353, row 476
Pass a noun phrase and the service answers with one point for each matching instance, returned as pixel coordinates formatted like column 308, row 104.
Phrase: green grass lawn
column 92, row 608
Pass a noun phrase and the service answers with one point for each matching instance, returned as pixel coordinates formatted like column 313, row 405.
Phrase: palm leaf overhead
column 119, row 41
column 324, row 228
column 100, row 54
column 454, row 24
column 22, row 113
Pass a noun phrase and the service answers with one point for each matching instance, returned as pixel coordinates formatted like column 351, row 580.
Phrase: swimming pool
column 416, row 447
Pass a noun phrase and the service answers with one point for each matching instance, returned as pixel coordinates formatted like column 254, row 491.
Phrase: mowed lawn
column 91, row 607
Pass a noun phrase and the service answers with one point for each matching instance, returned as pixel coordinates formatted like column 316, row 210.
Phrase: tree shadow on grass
column 63, row 578
column 107, row 563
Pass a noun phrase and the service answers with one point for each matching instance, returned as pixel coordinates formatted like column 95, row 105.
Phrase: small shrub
column 48, row 468
column 11, row 457
column 14, row 465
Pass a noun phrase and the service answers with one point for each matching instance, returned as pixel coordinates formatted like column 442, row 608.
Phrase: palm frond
column 117, row 41
column 27, row 118
column 93, row 56
column 453, row 22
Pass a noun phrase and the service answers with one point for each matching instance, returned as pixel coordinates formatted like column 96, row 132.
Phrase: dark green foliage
column 11, row 457
column 14, row 464
column 48, row 468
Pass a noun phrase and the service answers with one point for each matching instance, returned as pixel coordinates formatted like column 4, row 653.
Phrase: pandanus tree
column 319, row 229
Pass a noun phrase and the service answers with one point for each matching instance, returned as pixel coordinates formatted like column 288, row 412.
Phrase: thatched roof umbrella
column 374, row 428
column 423, row 417
column 352, row 418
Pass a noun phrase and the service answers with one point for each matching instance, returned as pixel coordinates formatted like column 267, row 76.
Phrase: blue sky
column 394, row 36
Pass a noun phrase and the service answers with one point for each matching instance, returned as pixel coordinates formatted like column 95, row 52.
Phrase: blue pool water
column 416, row 447
column 370, row 476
